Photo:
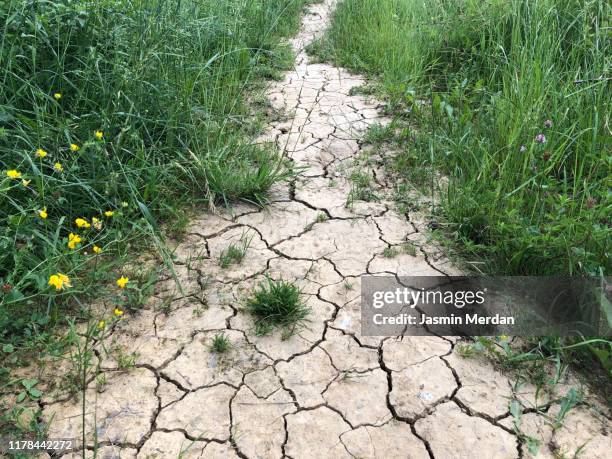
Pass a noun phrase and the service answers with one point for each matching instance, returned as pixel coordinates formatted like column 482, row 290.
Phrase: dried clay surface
column 326, row 391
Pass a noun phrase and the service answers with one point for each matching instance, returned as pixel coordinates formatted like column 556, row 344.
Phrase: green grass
column 220, row 343
column 156, row 98
column 479, row 81
column 277, row 304
column 390, row 252
column 361, row 188
column 235, row 252
column 509, row 100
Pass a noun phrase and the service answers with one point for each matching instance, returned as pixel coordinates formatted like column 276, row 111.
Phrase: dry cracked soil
column 326, row 391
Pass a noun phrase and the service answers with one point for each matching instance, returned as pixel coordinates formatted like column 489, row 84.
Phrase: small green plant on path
column 361, row 188
column 234, row 253
column 220, row 343
column 277, row 304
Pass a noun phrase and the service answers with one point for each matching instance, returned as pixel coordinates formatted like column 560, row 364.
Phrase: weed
column 378, row 133
column 321, row 217
column 390, row 252
column 20, row 421
column 569, row 401
column 234, row 253
column 361, row 189
column 124, row 360
column 277, row 304
column 368, row 89
column 101, row 382
column 220, row 343
column 502, row 113
column 409, row 248
column 524, row 157
column 118, row 116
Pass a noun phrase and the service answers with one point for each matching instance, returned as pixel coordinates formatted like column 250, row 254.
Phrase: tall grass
column 518, row 118
column 509, row 100
column 121, row 112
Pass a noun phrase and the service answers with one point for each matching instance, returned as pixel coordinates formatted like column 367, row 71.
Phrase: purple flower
column 548, row 123
column 540, row 138
column 523, row 149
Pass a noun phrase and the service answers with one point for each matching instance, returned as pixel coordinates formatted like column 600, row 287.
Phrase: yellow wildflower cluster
column 73, row 241
column 13, row 174
column 59, row 281
column 82, row 223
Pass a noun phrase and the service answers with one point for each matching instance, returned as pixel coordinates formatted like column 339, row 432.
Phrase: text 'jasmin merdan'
column 412, row 298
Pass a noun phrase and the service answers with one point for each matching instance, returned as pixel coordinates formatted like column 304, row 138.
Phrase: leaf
column 8, row 348
column 533, row 445
column 35, row 393
column 516, row 412
column 571, row 399
column 14, row 296
column 21, row 397
column 29, row 383
column 607, row 309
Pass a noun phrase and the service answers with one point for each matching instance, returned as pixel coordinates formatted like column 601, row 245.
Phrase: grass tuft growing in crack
column 220, row 343
column 235, row 252
column 361, row 188
column 277, row 304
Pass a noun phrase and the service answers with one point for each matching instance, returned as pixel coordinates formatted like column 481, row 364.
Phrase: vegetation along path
column 205, row 380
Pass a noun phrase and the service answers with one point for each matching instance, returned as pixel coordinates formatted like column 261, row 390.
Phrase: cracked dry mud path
column 326, row 392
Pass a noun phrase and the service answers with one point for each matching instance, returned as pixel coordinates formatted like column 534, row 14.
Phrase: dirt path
column 326, row 392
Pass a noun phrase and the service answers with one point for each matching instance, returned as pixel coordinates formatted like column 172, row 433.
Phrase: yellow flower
column 25, row 182
column 74, row 147
column 99, row 135
column 41, row 153
column 101, row 325
column 59, row 281
column 58, row 167
column 43, row 213
column 57, row 96
column 109, row 213
column 13, row 174
column 73, row 240
column 82, row 223
column 118, row 312
column 97, row 224
column 122, row 281
column 97, row 249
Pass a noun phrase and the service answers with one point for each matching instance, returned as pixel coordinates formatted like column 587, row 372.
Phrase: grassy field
column 115, row 115
column 506, row 103
column 519, row 119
